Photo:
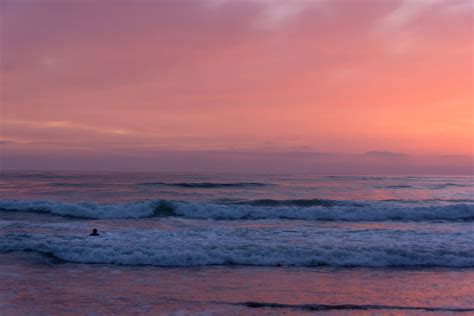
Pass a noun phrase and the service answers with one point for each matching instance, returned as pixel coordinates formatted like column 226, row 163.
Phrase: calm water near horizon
column 227, row 244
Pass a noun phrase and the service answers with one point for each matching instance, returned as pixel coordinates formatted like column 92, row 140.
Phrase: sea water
column 235, row 243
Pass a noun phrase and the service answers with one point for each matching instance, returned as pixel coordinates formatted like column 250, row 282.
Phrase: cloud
column 400, row 26
column 385, row 154
column 406, row 11
column 273, row 13
column 67, row 125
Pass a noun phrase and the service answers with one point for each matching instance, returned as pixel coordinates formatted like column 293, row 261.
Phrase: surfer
column 94, row 233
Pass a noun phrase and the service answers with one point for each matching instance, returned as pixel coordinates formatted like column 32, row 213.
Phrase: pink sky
column 238, row 85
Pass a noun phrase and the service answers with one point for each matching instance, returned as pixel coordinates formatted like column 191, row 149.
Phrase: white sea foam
column 370, row 211
column 334, row 211
column 82, row 209
column 270, row 246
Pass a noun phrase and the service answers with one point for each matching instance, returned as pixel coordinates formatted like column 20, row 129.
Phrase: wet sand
column 33, row 284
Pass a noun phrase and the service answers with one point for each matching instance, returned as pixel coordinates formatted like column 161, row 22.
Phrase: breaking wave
column 312, row 209
column 306, row 246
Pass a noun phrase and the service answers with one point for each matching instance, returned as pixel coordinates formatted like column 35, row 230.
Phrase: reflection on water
column 32, row 284
column 108, row 187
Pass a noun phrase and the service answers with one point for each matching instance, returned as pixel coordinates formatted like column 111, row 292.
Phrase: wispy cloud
column 274, row 13
column 68, row 125
column 406, row 11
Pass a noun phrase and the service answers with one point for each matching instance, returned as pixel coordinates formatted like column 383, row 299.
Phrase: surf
column 311, row 210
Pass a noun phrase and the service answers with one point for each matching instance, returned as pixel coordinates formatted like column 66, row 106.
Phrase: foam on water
column 82, row 209
column 271, row 245
column 313, row 209
column 262, row 220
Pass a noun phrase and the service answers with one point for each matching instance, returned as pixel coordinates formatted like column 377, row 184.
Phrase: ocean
column 235, row 244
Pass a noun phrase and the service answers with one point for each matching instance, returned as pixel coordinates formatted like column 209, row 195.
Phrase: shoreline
column 111, row 289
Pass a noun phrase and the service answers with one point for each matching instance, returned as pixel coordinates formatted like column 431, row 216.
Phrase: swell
column 449, row 185
column 401, row 186
column 327, row 307
column 312, row 209
column 432, row 187
column 294, row 202
column 206, row 185
column 78, row 185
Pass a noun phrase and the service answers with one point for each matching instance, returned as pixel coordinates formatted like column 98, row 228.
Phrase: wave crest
column 323, row 210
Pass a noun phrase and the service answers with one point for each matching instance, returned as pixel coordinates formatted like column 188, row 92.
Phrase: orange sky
column 92, row 78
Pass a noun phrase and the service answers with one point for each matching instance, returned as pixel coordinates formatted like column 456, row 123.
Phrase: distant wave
column 327, row 307
column 450, row 185
column 296, row 202
column 394, row 187
column 313, row 209
column 79, row 185
column 430, row 200
column 433, row 187
column 206, row 185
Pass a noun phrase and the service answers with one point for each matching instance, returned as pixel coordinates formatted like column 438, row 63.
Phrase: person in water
column 94, row 232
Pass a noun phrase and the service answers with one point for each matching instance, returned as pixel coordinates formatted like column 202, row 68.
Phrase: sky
column 327, row 86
